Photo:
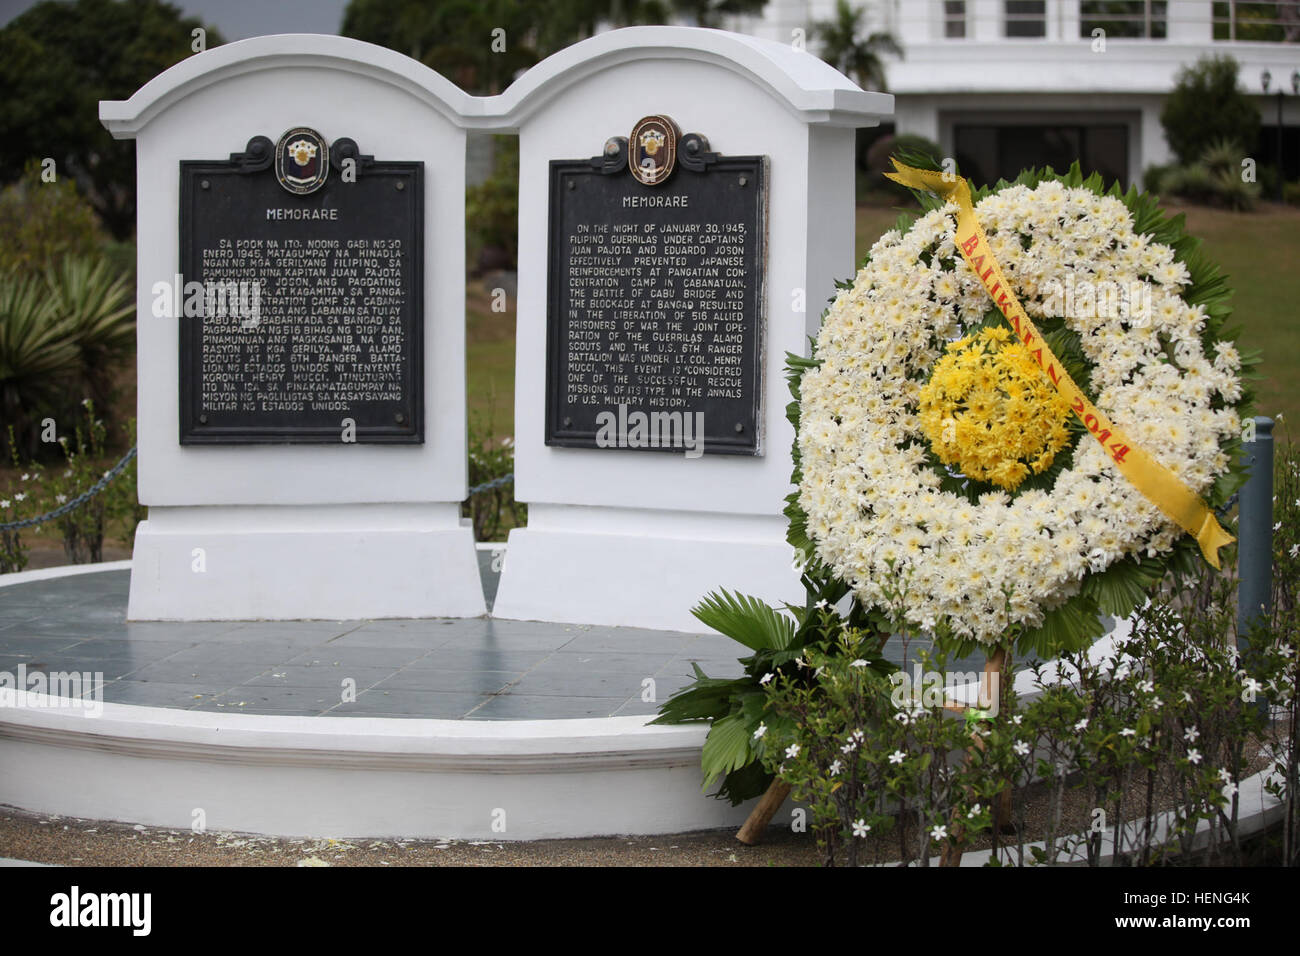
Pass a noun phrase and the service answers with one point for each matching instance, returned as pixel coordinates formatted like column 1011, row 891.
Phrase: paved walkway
column 480, row 668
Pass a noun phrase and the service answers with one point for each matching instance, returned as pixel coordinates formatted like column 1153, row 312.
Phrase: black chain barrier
column 489, row 485
column 76, row 502
column 116, row 470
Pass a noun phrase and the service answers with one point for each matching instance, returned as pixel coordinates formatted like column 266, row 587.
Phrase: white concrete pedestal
column 321, row 562
column 635, row 568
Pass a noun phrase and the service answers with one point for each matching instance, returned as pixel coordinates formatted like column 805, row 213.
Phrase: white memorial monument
column 622, row 535
column 331, row 524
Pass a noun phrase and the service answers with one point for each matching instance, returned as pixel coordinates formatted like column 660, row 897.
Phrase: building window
column 987, row 152
column 1136, row 19
column 954, row 19
column 1026, row 18
column 1274, row 21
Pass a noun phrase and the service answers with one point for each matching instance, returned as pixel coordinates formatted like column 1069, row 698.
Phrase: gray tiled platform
column 478, row 668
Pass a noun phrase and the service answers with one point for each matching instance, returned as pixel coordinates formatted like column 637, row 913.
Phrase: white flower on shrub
column 1021, row 748
column 792, row 750
column 897, row 756
column 762, row 729
column 836, row 767
column 1194, row 755
column 861, row 828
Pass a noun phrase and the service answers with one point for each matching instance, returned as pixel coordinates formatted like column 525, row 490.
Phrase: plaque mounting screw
column 205, row 184
column 739, row 428
column 568, row 422
column 399, row 418
column 744, row 180
column 400, row 185
column 611, row 147
column 203, row 419
column 572, row 184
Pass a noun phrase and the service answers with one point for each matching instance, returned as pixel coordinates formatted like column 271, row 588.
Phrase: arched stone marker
column 763, row 193
column 306, row 461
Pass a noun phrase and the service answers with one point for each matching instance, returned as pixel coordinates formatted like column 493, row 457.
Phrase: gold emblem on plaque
column 652, row 149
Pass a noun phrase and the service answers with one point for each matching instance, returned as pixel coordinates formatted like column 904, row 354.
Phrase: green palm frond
column 747, row 620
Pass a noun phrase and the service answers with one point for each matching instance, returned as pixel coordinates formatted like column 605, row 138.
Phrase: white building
column 1004, row 84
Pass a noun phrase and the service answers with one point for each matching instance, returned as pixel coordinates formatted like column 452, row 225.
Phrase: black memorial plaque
column 337, row 333
column 656, row 295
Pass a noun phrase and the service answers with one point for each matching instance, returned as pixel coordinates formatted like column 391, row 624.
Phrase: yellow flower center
column 989, row 410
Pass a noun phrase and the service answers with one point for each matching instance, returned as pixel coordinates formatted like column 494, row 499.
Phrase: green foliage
column 459, row 38
column 62, row 335
column 17, row 502
column 492, row 209
column 42, row 222
column 57, row 61
column 1167, row 712
column 83, row 528
column 1216, row 179
column 1206, row 106
column 1275, row 644
column 855, row 57
column 39, row 359
column 495, row 511
column 40, row 489
column 98, row 305
column 1154, row 177
column 747, row 620
column 909, row 149
column 779, row 640
column 871, row 755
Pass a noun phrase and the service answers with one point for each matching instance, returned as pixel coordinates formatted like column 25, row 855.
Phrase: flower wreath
column 934, row 457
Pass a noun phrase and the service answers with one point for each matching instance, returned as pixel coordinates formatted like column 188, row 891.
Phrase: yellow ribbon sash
column 1160, row 485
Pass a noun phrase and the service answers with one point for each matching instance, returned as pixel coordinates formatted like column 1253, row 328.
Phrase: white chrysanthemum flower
column 876, row 510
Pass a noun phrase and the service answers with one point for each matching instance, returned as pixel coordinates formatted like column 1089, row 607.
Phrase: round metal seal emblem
column 302, row 160
column 652, row 149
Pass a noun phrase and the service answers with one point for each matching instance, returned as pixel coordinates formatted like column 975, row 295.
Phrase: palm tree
column 857, row 59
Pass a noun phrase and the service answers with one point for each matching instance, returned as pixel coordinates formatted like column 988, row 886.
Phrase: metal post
column 1255, row 529
column 1281, row 175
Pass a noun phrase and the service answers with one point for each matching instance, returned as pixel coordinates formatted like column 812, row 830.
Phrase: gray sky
column 240, row 19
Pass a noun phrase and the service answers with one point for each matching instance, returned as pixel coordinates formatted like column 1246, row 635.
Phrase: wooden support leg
column 752, row 830
column 952, row 850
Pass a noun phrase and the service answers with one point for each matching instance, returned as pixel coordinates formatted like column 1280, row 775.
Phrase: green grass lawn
column 1260, row 252
column 490, row 363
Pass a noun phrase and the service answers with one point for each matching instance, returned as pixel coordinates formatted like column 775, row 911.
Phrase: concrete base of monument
column 167, row 719
column 305, row 562
column 359, row 777
column 628, row 568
